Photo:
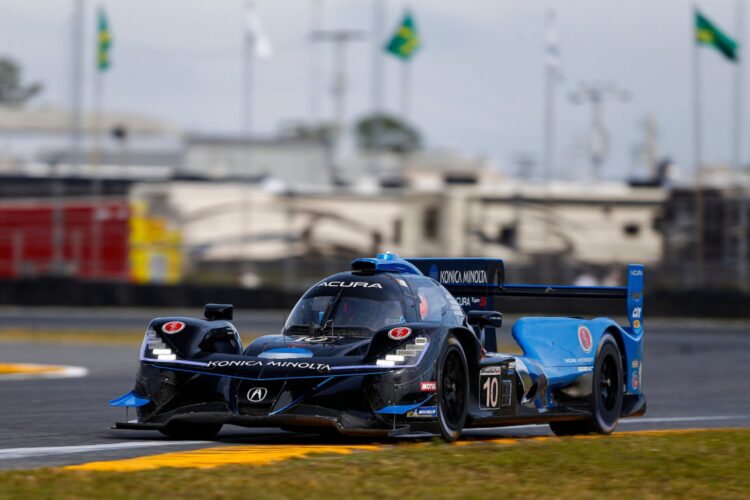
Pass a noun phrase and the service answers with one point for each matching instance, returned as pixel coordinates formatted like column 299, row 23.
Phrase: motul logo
column 430, row 386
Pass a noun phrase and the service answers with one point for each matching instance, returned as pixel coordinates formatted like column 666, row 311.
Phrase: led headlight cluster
column 157, row 348
column 405, row 353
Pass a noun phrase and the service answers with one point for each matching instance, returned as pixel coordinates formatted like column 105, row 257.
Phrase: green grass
column 692, row 465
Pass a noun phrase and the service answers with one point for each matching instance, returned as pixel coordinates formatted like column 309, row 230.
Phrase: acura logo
column 257, row 394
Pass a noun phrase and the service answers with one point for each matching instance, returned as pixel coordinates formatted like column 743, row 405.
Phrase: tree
column 383, row 132
column 12, row 92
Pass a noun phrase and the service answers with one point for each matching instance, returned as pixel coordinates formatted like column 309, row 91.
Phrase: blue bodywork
column 390, row 383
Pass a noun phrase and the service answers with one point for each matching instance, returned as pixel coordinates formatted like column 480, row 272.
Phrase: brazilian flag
column 103, row 42
column 405, row 41
column 707, row 33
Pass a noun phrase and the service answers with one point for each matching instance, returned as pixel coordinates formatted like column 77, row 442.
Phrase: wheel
column 606, row 394
column 189, row 430
column 453, row 389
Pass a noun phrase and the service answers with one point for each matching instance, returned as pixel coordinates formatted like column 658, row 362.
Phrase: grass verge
column 652, row 465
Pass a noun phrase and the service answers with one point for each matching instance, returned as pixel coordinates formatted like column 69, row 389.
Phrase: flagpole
column 96, row 230
column 249, row 41
column 697, row 152
column 405, row 90
column 742, row 233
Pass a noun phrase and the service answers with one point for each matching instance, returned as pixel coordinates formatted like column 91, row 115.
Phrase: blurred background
column 173, row 152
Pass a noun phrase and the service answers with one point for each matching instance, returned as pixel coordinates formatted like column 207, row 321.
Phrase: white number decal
column 636, row 313
column 492, row 392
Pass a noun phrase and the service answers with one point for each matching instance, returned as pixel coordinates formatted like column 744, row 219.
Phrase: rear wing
column 476, row 282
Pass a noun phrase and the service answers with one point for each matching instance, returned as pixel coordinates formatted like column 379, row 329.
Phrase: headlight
column 155, row 348
column 406, row 354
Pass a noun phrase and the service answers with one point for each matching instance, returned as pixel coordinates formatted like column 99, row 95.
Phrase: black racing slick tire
column 606, row 394
column 453, row 389
column 188, row 430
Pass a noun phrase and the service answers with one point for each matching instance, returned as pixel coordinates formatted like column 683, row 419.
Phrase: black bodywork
column 330, row 374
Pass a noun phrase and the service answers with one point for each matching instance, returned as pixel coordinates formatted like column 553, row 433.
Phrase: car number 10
column 491, row 392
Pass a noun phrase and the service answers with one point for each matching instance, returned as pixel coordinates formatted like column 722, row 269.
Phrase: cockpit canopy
column 360, row 304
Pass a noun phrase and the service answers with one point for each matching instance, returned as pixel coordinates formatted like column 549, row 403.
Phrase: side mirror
column 485, row 318
column 213, row 312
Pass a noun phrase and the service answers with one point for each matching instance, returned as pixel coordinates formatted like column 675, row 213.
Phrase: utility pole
column 595, row 94
column 377, row 78
column 76, row 80
column 316, row 25
column 339, row 40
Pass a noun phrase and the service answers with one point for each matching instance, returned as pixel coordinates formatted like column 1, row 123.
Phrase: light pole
column 340, row 40
column 595, row 94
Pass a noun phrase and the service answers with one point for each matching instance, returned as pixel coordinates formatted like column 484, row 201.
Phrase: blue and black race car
column 396, row 347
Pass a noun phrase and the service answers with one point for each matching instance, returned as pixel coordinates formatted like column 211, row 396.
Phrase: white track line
column 635, row 420
column 15, row 453
column 682, row 419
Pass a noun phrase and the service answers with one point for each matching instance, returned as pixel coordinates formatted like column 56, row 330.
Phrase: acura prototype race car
column 396, row 347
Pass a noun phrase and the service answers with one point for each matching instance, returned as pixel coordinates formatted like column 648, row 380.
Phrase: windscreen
column 345, row 311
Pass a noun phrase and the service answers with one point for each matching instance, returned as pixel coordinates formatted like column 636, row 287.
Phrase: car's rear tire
column 453, row 389
column 189, row 430
column 606, row 394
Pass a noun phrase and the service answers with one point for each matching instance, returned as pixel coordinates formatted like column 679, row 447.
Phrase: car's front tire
column 189, row 430
column 606, row 394
column 453, row 389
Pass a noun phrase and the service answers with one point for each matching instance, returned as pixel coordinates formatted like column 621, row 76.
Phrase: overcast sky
column 476, row 82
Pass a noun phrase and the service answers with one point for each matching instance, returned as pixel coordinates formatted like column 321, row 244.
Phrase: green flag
column 405, row 41
column 103, row 43
column 707, row 33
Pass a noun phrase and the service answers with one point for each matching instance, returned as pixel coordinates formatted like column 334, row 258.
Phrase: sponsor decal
column 585, row 369
column 303, row 365
column 426, row 411
column 454, row 277
column 399, row 333
column 471, row 301
column 349, row 284
column 257, row 394
column 322, row 339
column 636, row 272
column 634, row 364
column 584, row 338
column 635, row 381
column 637, row 324
column 579, row 360
column 172, row 327
column 492, row 370
column 429, row 386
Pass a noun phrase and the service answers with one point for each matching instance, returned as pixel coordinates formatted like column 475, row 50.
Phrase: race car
column 399, row 348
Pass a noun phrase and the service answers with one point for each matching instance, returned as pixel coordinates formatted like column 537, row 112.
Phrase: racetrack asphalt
column 696, row 375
